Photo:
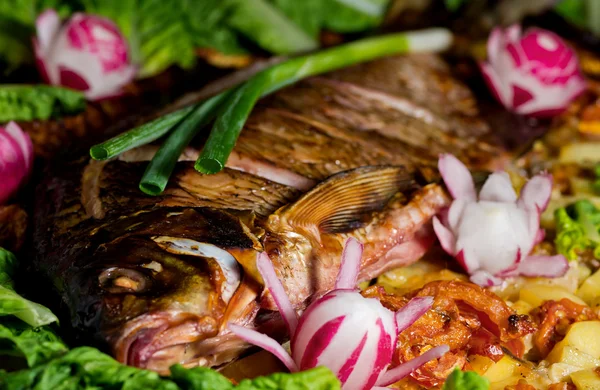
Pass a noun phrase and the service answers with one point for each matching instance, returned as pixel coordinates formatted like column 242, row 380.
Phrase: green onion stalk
column 159, row 169
column 232, row 108
column 229, row 123
column 139, row 136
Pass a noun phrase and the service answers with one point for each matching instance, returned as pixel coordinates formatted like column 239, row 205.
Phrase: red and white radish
column 87, row 53
column 355, row 337
column 492, row 235
column 16, row 159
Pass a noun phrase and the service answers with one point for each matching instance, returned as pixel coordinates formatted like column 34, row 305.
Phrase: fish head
column 169, row 285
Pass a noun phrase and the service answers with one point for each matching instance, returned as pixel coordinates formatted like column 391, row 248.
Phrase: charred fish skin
column 151, row 277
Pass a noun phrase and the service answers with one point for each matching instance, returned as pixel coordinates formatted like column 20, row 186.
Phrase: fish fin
column 341, row 203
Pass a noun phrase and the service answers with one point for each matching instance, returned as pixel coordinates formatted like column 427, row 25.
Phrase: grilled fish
column 352, row 153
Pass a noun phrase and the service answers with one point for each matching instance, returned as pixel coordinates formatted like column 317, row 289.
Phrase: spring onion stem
column 159, row 170
column 229, row 123
column 138, row 136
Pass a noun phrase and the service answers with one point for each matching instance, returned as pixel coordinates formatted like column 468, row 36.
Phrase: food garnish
column 11, row 303
column 29, row 102
column 352, row 335
column 536, row 74
column 492, row 234
column 236, row 107
column 578, row 230
column 16, row 159
column 466, row 380
column 87, row 53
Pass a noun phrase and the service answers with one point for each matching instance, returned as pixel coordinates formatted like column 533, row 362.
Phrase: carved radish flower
column 16, row 159
column 536, row 74
column 353, row 336
column 492, row 235
column 87, row 53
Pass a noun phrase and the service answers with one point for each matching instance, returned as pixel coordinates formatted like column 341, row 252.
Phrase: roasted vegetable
column 583, row 336
column 577, row 230
column 586, row 379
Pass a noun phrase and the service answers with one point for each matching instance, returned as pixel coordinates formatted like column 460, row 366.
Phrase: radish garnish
column 87, row 52
column 535, row 73
column 492, row 235
column 16, row 160
column 355, row 337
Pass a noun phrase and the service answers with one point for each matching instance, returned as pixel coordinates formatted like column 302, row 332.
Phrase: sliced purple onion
column 273, row 284
column 412, row 311
column 401, row 371
column 266, row 343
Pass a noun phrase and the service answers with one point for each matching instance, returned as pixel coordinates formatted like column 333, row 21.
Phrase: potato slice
column 535, row 295
column 590, row 288
column 573, row 356
column 560, row 372
column 502, row 370
column 586, row 380
column 480, row 364
column 583, row 153
column 583, row 336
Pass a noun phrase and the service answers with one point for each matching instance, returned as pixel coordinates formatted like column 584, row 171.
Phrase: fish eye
column 123, row 280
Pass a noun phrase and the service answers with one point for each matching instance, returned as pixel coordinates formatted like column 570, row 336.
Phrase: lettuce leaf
column 317, row 378
column 84, row 368
column 24, row 338
column 35, row 345
column 271, row 29
column 29, row 102
column 343, row 16
column 88, row 368
column 11, row 303
column 161, row 35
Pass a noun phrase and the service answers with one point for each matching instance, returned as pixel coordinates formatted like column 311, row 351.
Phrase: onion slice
column 266, row 343
column 399, row 372
column 350, row 265
column 413, row 310
column 273, row 284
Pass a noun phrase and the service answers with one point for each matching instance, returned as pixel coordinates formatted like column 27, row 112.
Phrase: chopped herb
column 465, row 380
column 578, row 230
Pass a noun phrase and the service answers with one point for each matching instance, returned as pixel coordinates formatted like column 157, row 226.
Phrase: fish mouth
column 156, row 341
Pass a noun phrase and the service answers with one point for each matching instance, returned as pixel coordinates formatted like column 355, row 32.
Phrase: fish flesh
column 348, row 154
